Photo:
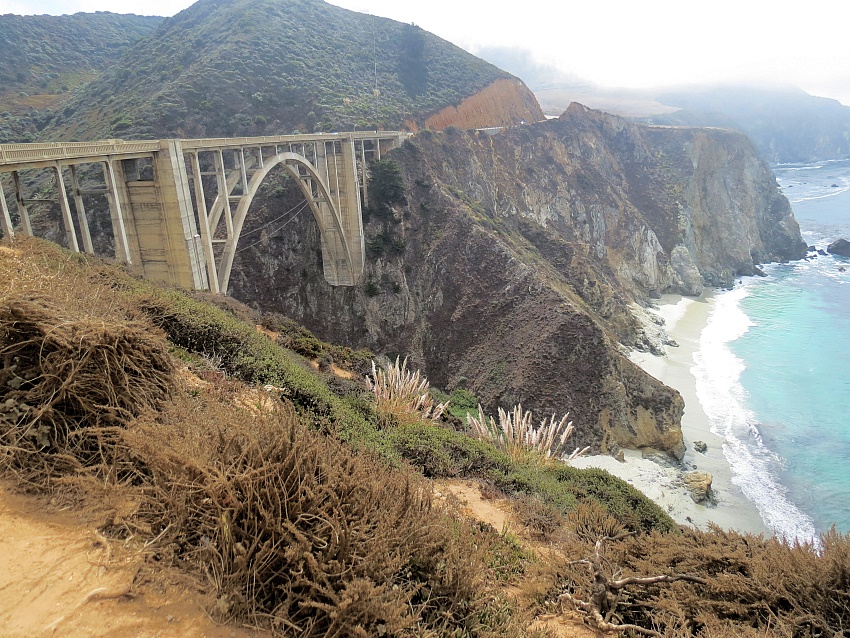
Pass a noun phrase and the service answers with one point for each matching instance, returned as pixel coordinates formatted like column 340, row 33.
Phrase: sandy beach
column 684, row 320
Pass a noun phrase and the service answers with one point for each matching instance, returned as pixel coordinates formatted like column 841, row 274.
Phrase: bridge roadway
column 178, row 206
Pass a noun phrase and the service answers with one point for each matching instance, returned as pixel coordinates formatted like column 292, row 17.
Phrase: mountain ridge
column 239, row 68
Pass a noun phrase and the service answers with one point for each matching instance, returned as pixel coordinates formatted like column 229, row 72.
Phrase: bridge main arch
column 341, row 263
column 329, row 172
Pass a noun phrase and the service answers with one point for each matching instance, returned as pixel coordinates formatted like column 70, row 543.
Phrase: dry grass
column 74, row 369
column 287, row 528
column 292, row 530
column 714, row 583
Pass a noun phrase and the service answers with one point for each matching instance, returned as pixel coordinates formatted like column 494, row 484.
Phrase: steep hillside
column 44, row 59
column 510, row 266
column 239, row 67
column 285, row 482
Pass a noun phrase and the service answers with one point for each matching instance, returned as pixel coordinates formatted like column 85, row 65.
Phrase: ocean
column 773, row 369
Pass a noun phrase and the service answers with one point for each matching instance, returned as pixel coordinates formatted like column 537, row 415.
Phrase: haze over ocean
column 772, row 372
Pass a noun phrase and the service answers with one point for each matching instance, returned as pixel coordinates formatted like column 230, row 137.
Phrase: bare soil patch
column 59, row 577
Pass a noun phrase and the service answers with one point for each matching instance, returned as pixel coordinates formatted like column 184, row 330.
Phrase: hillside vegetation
column 239, row 67
column 295, row 508
column 45, row 59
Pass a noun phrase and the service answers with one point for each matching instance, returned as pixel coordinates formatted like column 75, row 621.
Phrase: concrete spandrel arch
column 290, row 161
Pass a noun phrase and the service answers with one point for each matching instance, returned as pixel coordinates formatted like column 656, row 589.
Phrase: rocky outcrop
column 699, row 486
column 511, row 267
column 505, row 102
column 731, row 213
column 686, row 275
column 839, row 247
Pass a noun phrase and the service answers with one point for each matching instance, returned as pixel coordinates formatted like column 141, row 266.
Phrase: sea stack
column 839, row 247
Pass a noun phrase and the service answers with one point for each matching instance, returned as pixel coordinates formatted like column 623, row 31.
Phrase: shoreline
column 684, row 319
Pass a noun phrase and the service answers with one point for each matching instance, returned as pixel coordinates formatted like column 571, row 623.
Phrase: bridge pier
column 116, row 215
column 81, row 211
column 155, row 221
column 23, row 213
column 5, row 217
column 65, row 208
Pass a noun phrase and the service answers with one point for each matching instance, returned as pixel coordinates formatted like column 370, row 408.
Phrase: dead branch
column 606, row 591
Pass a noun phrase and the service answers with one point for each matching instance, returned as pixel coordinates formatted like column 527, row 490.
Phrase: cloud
column 617, row 43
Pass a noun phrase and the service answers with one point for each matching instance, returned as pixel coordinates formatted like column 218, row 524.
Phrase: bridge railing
column 218, row 142
column 70, row 150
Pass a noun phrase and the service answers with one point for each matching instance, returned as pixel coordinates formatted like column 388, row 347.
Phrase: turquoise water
column 773, row 373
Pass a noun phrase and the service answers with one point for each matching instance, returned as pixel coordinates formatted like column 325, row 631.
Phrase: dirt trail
column 59, row 578
column 497, row 513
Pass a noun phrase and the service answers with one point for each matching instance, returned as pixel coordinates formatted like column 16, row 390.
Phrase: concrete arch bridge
column 178, row 206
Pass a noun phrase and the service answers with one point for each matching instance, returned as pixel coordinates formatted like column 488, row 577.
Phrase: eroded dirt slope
column 59, row 577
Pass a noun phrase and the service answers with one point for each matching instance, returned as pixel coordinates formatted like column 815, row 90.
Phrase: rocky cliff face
column 511, row 267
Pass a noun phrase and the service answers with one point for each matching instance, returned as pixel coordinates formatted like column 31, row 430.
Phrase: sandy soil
column 59, row 577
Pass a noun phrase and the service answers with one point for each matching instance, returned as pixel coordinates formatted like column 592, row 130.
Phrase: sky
column 614, row 43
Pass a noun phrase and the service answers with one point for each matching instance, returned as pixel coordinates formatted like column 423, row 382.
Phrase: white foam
column 833, row 192
column 717, row 371
column 817, row 190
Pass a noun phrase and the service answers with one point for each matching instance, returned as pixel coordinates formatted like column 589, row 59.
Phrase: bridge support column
column 5, row 217
column 203, row 219
column 350, row 208
column 65, row 207
column 162, row 222
column 81, row 211
column 116, row 214
column 23, row 213
column 364, row 180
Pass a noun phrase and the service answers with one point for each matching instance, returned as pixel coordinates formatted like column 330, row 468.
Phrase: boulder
column 822, row 252
column 839, row 247
column 700, row 446
column 699, row 485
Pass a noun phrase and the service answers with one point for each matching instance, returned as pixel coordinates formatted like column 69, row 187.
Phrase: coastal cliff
column 512, row 266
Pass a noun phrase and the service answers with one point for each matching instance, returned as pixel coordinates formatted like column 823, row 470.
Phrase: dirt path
column 497, row 512
column 59, row 578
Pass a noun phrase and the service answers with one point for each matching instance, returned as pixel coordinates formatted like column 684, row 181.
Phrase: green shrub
column 461, row 403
